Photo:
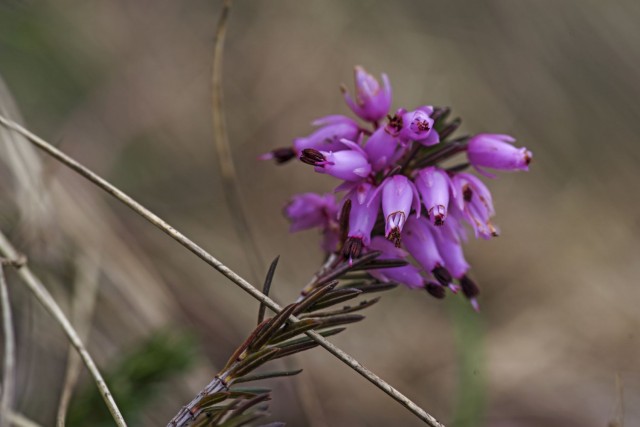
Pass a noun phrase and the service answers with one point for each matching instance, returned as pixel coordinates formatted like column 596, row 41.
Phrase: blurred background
column 124, row 87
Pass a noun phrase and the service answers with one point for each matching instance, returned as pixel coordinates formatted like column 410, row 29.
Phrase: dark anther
column 395, row 122
column 344, row 221
column 467, row 193
column 469, row 288
column 394, row 236
column 435, row 290
column 438, row 219
column 443, row 275
column 311, row 157
column 423, row 125
column 283, row 155
column 352, row 248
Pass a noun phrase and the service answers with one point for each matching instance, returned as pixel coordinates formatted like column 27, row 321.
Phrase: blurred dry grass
column 124, row 87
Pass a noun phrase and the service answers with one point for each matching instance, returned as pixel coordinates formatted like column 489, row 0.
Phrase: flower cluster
column 399, row 199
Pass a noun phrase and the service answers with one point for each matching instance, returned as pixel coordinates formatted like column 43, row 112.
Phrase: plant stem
column 225, row 159
column 8, row 368
column 44, row 297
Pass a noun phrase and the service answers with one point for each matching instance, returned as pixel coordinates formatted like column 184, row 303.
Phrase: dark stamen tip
column 435, row 290
column 312, row 156
column 469, row 287
column 467, row 193
column 283, row 155
column 442, row 275
column 352, row 249
column 394, row 236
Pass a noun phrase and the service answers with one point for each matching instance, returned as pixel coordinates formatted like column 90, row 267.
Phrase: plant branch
column 44, row 297
column 8, row 368
column 215, row 263
column 83, row 304
column 20, row 420
column 225, row 159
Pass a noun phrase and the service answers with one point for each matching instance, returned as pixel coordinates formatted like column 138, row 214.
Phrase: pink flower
column 351, row 164
column 497, row 152
column 372, row 102
column 399, row 195
column 381, row 148
column 327, row 137
column 365, row 205
column 418, row 126
column 474, row 200
column 407, row 275
column 450, row 248
column 434, row 186
column 309, row 210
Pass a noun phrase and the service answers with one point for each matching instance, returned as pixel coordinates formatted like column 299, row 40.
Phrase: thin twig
column 85, row 293
column 215, row 263
column 8, row 368
column 44, row 297
column 225, row 160
column 230, row 182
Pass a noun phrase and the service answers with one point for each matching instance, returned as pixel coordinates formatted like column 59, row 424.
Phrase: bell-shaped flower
column 408, row 275
column 372, row 102
column 309, row 210
column 399, row 195
column 331, row 130
column 381, row 148
column 450, row 249
column 351, row 164
column 434, row 186
column 417, row 126
column 419, row 240
column 365, row 205
column 421, row 244
column 497, row 152
column 474, row 200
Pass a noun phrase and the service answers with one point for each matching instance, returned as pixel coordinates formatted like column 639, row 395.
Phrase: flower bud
column 372, row 102
column 497, row 152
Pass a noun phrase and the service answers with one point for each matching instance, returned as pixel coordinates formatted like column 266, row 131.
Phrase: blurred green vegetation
column 470, row 398
column 39, row 62
column 135, row 379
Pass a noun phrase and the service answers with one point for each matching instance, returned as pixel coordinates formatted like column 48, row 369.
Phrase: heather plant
column 402, row 196
column 399, row 214
column 402, row 220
